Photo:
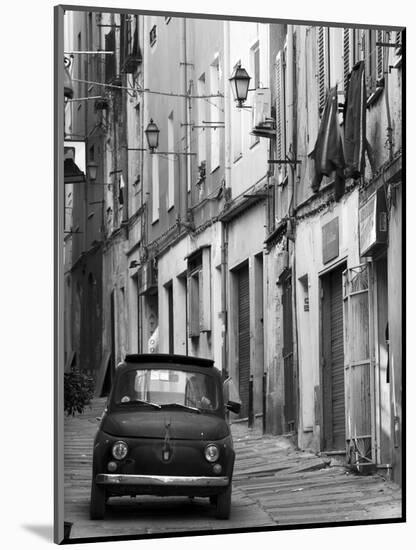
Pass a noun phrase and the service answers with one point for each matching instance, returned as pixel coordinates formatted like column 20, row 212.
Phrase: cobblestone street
column 274, row 484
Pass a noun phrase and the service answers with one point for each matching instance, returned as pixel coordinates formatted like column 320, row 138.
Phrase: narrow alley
column 274, row 485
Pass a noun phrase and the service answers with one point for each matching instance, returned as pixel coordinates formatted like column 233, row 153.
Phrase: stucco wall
column 309, row 262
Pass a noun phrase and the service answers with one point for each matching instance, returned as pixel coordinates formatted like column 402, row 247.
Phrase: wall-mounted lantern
column 152, row 135
column 92, row 168
column 240, row 81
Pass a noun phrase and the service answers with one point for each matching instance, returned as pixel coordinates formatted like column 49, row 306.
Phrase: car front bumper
column 161, row 481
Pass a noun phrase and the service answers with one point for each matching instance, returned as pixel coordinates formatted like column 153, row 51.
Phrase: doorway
column 332, row 361
column 243, row 302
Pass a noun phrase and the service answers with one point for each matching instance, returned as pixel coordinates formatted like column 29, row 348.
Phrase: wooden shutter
column 205, row 291
column 359, row 375
column 398, row 42
column 280, row 114
column 346, row 54
column 243, row 338
column 193, row 305
column 380, row 56
column 323, row 66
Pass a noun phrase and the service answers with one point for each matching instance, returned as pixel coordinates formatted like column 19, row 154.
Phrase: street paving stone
column 274, row 485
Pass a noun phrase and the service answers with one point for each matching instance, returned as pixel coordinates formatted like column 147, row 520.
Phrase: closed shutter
column 359, row 376
column 323, row 76
column 380, row 55
column 280, row 114
column 347, row 55
column 337, row 360
column 243, row 338
column 398, row 42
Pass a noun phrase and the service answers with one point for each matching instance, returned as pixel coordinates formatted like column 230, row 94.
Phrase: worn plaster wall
column 308, row 258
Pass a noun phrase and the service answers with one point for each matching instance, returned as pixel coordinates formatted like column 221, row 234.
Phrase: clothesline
column 146, row 90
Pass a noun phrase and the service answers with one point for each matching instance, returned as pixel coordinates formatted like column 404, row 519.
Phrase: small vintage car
column 164, row 432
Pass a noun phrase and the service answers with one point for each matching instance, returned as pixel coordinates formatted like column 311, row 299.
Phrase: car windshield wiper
column 194, row 409
column 143, row 402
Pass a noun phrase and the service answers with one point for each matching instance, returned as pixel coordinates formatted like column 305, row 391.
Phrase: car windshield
column 167, row 387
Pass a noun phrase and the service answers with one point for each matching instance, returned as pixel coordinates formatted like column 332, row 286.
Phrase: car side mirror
column 233, row 406
column 231, row 396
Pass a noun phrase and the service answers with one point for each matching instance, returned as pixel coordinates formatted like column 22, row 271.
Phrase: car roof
column 168, row 358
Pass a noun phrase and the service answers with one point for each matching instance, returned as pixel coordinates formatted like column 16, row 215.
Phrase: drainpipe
column 290, row 114
column 292, row 175
column 386, row 98
column 227, row 184
column 186, row 115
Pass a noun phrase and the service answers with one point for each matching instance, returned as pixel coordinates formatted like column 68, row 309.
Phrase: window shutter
column 348, row 47
column 380, row 55
column 398, row 41
column 205, row 291
column 280, row 111
column 322, row 66
column 193, row 305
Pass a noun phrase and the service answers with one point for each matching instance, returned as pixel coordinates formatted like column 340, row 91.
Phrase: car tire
column 97, row 502
column 223, row 504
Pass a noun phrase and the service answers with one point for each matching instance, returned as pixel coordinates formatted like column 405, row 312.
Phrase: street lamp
column 92, row 168
column 240, row 81
column 152, row 135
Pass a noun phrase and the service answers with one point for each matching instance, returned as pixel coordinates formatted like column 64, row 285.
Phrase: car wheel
column 97, row 502
column 223, row 504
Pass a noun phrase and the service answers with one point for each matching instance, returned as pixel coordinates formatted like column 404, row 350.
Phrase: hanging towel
column 355, row 122
column 328, row 153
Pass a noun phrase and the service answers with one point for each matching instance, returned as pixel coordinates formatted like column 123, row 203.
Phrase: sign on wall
column 330, row 240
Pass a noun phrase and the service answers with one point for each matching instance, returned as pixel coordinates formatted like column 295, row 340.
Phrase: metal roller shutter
column 337, row 356
column 243, row 338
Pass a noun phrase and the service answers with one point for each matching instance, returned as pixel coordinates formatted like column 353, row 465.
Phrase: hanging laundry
column 328, row 153
column 355, row 123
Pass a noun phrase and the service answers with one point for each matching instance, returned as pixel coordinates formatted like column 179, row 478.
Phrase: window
column 152, row 35
column 199, row 292
column 110, row 59
column 155, row 188
column 171, row 163
column 215, row 113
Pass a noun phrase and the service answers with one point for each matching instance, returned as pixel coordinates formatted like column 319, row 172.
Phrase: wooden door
column 289, row 371
column 243, row 338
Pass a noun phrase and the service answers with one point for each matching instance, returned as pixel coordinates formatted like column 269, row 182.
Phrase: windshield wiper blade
column 142, row 401
column 186, row 407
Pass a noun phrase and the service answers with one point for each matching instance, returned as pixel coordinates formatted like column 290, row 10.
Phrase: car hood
column 154, row 424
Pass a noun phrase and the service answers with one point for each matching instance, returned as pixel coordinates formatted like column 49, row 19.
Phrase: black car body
column 164, row 432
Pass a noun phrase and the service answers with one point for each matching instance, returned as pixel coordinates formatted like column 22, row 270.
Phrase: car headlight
column 120, row 450
column 212, row 452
